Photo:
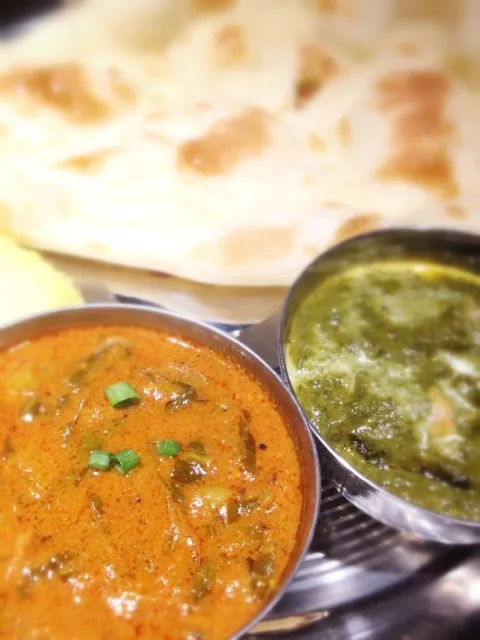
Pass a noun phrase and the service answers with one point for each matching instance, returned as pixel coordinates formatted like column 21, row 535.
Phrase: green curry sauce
column 385, row 360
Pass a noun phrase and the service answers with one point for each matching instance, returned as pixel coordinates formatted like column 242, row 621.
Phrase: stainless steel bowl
column 445, row 246
column 153, row 318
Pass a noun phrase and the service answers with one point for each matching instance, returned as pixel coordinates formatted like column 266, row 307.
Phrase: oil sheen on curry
column 149, row 489
column 385, row 359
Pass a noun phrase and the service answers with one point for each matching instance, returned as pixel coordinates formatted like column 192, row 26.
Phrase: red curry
column 149, row 489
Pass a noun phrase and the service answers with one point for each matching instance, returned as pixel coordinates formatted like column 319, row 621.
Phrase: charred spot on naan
column 230, row 45
column 327, row 6
column 345, row 10
column 86, row 162
column 415, row 88
column 430, row 168
column 227, row 143
column 456, row 212
column 65, row 88
column 315, row 67
column 463, row 66
column 249, row 247
column 257, row 245
column 421, row 132
column 344, row 131
column 356, row 226
column 207, row 6
column 444, row 12
column 408, row 49
column 316, row 143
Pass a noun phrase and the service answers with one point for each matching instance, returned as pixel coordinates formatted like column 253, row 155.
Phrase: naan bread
column 230, row 142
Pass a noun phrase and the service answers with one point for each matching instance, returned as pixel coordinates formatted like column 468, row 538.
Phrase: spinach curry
column 149, row 489
column 385, row 360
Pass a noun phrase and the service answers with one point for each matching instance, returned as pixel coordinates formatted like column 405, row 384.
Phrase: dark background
column 16, row 10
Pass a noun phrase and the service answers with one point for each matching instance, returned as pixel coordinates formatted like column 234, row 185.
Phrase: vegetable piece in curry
column 136, row 500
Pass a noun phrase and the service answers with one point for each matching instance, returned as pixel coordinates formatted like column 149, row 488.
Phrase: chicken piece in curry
column 149, row 489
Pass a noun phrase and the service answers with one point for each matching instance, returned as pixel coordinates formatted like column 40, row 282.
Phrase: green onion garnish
column 169, row 447
column 99, row 460
column 121, row 394
column 126, row 460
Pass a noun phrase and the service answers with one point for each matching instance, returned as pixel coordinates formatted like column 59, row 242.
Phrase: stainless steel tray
column 362, row 580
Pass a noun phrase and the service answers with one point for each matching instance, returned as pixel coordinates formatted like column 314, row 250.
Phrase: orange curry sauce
column 186, row 546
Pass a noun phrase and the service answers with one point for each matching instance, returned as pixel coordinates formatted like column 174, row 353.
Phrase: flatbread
column 231, row 142
column 206, row 302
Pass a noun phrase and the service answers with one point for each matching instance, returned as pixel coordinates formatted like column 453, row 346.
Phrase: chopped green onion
column 169, row 447
column 118, row 467
column 121, row 394
column 99, row 460
column 126, row 460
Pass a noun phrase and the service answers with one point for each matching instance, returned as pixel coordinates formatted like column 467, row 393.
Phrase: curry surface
column 385, row 359
column 188, row 546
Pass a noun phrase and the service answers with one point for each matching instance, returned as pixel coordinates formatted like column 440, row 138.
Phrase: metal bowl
column 153, row 318
column 436, row 245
